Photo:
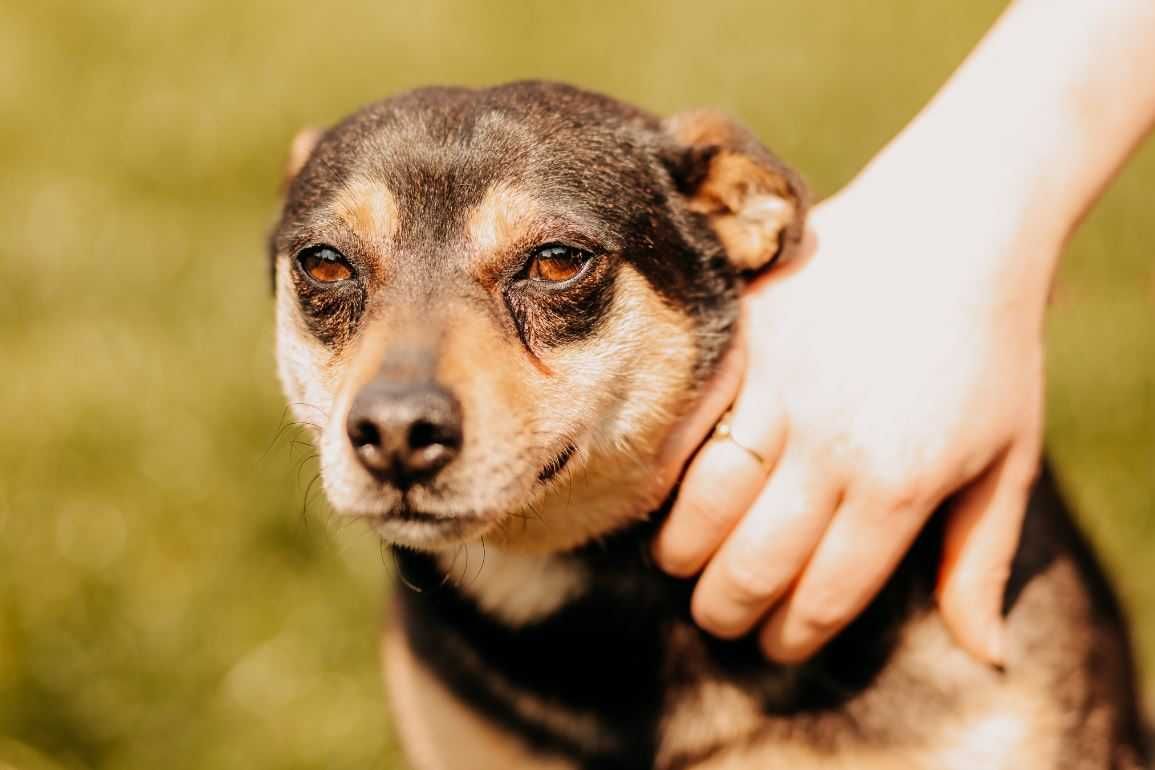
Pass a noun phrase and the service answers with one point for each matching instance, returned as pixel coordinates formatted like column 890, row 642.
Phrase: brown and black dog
column 494, row 305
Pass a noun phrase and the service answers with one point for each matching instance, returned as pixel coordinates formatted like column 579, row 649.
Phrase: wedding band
column 723, row 431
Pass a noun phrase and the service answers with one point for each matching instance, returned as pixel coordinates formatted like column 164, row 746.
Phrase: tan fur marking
column 733, row 180
column 438, row 732
column 995, row 721
column 714, row 713
column 754, row 205
column 514, row 587
column 505, row 217
column 368, row 209
column 996, row 740
column 361, row 364
column 749, row 206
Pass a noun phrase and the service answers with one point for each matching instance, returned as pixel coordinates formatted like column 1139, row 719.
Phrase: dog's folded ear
column 300, row 149
column 755, row 203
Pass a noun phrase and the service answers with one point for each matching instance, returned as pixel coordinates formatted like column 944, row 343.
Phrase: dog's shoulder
column 608, row 668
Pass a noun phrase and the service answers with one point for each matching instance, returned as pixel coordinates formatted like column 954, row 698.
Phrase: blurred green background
column 168, row 597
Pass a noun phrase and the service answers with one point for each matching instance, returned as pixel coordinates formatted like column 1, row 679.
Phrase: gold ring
column 723, row 431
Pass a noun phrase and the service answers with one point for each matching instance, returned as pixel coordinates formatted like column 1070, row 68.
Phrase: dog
column 492, row 307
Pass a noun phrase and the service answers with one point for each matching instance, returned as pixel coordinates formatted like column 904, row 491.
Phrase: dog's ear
column 299, row 151
column 755, row 203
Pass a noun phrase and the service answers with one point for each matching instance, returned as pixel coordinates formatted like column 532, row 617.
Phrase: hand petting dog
column 862, row 436
column 899, row 362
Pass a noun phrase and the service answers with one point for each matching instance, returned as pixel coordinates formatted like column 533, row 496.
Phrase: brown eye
column 324, row 264
column 555, row 263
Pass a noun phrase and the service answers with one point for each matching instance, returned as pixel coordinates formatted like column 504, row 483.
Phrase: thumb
column 982, row 535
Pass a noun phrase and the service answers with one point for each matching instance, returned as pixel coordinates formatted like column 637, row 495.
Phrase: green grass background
column 166, row 601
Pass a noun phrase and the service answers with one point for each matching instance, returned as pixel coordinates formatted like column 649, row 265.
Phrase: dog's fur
column 533, row 632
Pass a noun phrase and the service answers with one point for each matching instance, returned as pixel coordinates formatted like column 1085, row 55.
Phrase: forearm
column 1037, row 120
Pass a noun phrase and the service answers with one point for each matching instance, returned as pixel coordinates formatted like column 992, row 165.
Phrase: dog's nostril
column 364, row 433
column 425, row 433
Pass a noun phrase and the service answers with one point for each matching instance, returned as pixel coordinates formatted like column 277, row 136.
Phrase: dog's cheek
column 497, row 385
column 617, row 394
column 648, row 355
column 309, row 373
column 302, row 362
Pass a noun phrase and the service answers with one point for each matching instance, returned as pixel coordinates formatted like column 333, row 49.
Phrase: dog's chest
column 597, row 659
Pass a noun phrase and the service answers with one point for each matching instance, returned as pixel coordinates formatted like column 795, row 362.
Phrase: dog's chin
column 425, row 531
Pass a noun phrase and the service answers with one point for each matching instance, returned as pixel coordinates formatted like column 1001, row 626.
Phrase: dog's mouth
column 418, row 519
column 406, row 525
column 408, row 514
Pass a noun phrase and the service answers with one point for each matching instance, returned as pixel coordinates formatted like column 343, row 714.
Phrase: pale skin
column 898, row 360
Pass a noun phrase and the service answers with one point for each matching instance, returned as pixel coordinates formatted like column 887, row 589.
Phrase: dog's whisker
column 307, row 405
column 295, row 443
column 481, row 568
column 449, row 570
column 302, row 463
column 400, row 573
column 382, row 547
column 284, row 425
column 305, row 502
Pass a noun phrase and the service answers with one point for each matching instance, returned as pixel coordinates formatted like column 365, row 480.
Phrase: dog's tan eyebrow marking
column 505, row 217
column 368, row 209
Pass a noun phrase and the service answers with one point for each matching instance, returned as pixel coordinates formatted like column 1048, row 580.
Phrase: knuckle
column 749, row 582
column 901, row 490
column 706, row 511
column 820, row 613
column 715, row 620
column 818, row 619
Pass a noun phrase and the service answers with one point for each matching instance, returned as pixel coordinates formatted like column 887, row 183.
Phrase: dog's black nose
column 404, row 433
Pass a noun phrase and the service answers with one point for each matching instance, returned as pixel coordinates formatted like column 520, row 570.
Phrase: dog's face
column 493, row 305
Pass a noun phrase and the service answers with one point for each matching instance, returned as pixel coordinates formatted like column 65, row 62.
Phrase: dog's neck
column 606, row 639
column 519, row 588
column 515, row 588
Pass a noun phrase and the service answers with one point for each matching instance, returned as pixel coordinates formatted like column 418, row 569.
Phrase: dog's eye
column 556, row 263
column 324, row 264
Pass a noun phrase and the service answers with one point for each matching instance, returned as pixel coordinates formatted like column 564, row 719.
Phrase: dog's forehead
column 440, row 153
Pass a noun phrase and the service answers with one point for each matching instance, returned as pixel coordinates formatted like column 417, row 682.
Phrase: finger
column 765, row 551
column 721, row 484
column 982, row 535
column 857, row 555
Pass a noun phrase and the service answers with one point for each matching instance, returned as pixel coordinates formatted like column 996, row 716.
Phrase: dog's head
column 493, row 305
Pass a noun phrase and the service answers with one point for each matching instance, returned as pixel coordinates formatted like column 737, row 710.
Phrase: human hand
column 896, row 361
